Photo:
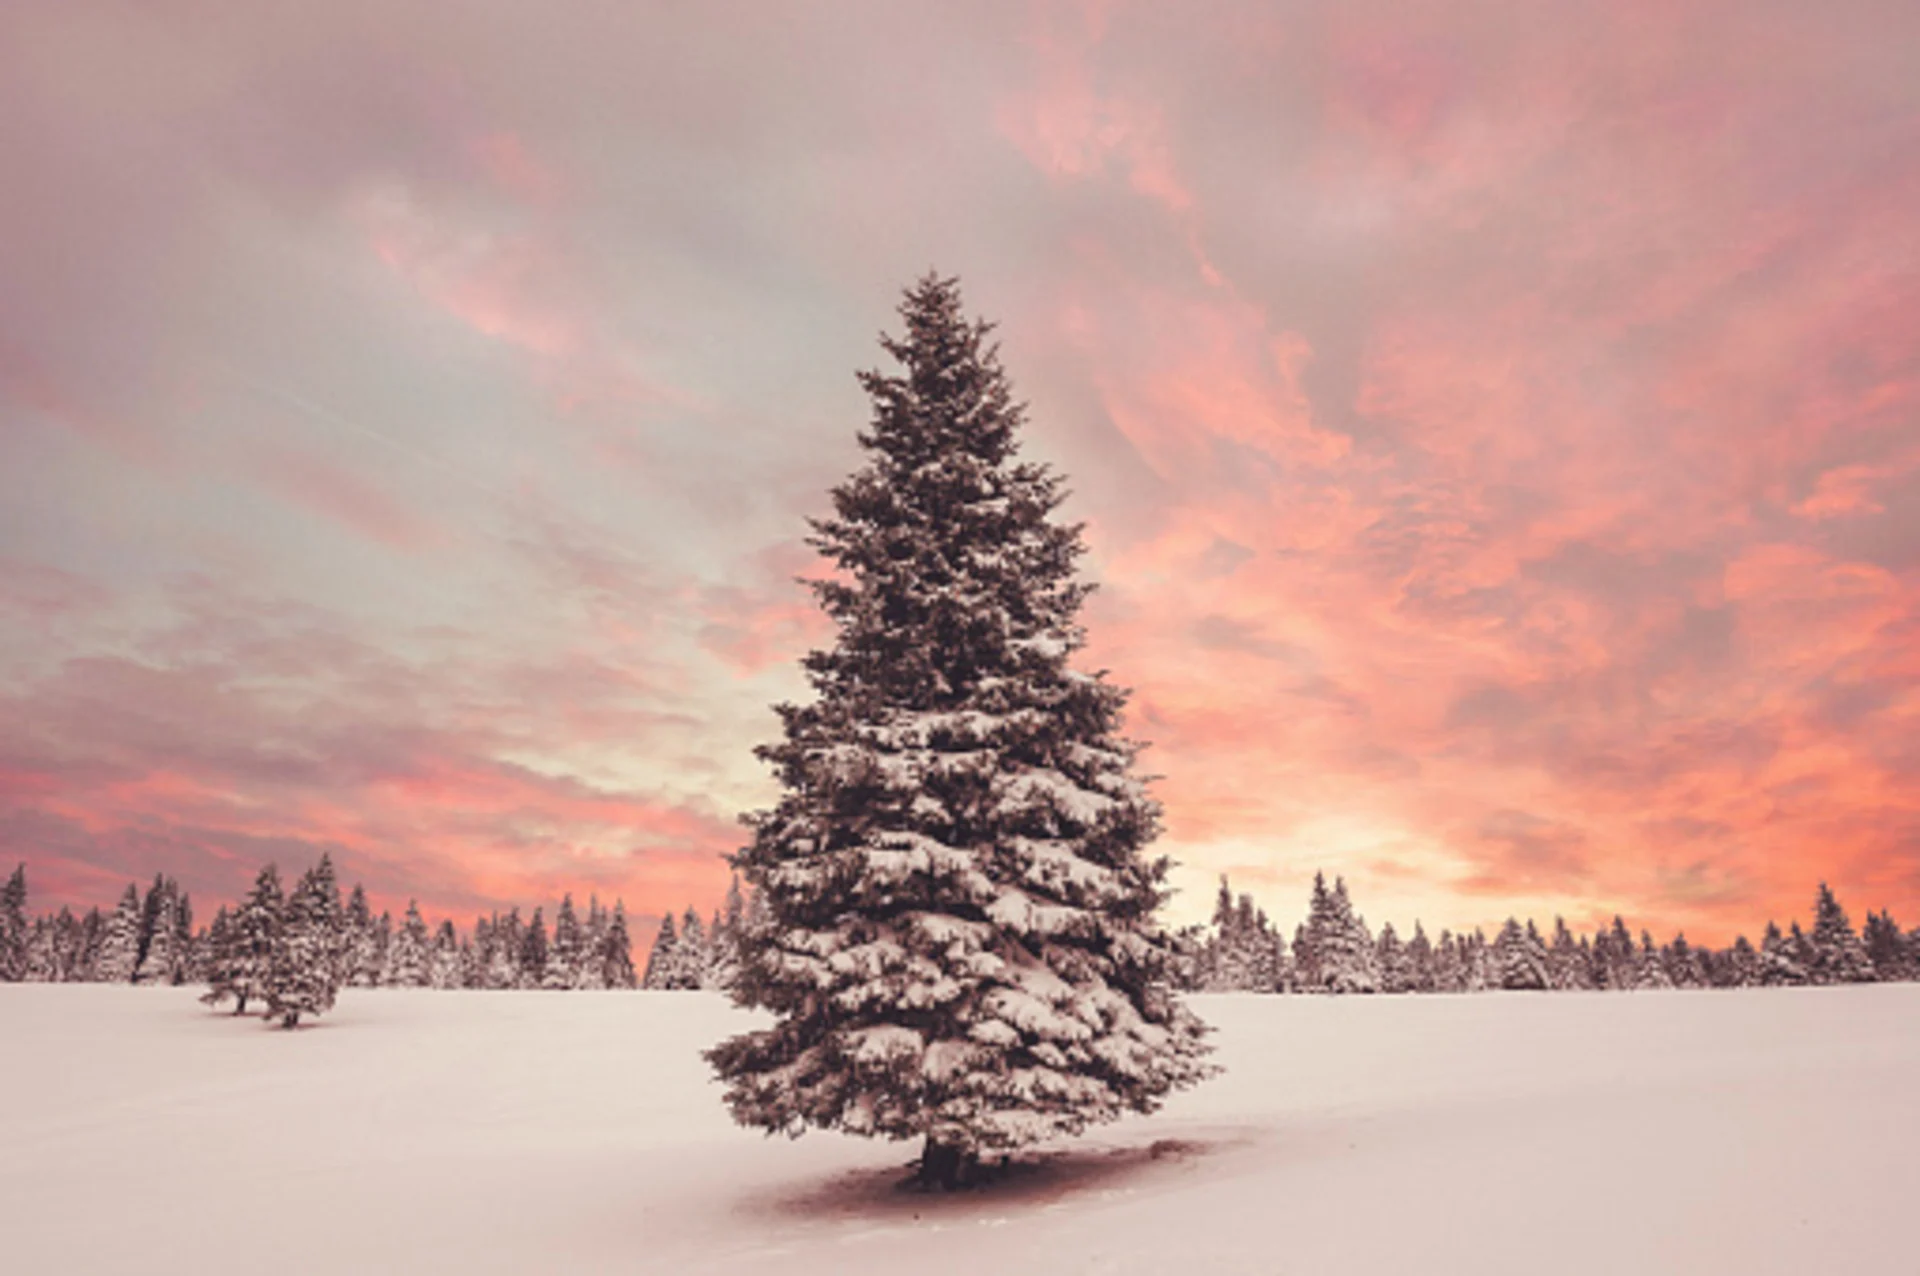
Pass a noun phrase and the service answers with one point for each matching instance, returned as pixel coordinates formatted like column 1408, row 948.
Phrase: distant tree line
column 1333, row 951
column 288, row 952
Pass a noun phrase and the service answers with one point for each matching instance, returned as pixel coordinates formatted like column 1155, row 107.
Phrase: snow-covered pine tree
column 1649, row 970
column 446, row 969
column 1449, row 967
column 157, row 965
column 1520, row 958
column 304, row 975
column 1390, row 959
column 534, row 952
column 1343, row 957
column 69, row 940
column 218, row 966
column 1615, row 958
column 1838, row 955
column 256, row 932
column 119, row 953
column 565, row 955
column 42, row 962
column 1420, row 966
column 1682, row 961
column 616, row 951
column 359, row 951
column 663, row 959
column 509, row 942
column 962, row 945
column 1566, row 962
column 1886, row 946
column 409, row 956
column 13, row 927
column 1741, row 969
column 694, row 953
column 1780, row 963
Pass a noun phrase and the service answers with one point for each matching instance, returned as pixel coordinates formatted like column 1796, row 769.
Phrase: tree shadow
column 1026, row 1181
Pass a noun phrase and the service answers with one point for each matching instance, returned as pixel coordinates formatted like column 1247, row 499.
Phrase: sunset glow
column 1497, row 429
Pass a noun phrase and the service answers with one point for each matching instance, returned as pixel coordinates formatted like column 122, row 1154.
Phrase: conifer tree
column 564, row 959
column 1566, row 961
column 303, row 977
column 256, row 932
column 961, row 945
column 1521, row 958
column 1780, row 960
column 1649, row 970
column 1742, row 966
column 1420, row 965
column 13, row 927
column 663, row 959
column 447, row 967
column 1390, row 958
column 119, row 954
column 1886, row 946
column 409, row 956
column 509, row 939
column 219, row 966
column 534, row 952
column 158, row 964
column 1838, row 957
column 616, row 951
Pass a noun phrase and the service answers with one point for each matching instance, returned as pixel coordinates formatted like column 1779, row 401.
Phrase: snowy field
column 422, row 1132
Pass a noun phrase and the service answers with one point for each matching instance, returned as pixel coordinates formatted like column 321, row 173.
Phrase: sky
column 1497, row 429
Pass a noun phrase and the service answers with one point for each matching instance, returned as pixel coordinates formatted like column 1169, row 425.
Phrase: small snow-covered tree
column 1420, row 966
column 303, row 977
column 1886, row 946
column 534, row 952
column 1521, row 958
column 566, row 953
column 218, row 967
column 446, row 968
column 1780, row 960
column 13, row 927
column 1566, row 960
column 256, row 932
column 119, row 954
column 1838, row 956
column 1390, row 958
column 616, row 951
column 1649, row 970
column 409, row 955
column 161, row 960
column 1341, row 955
column 664, row 963
column 1741, row 969
column 962, row 944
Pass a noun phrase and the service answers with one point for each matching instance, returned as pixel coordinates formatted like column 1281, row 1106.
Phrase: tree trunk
column 946, row 1166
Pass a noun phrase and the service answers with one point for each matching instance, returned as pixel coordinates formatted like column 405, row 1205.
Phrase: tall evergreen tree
column 1886, row 946
column 1420, row 968
column 218, row 968
column 256, row 932
column 1521, row 958
column 161, row 959
column 565, row 958
column 13, row 927
column 962, row 944
column 409, row 955
column 534, row 952
column 663, row 958
column 304, row 975
column 1838, row 955
column 616, row 951
column 119, row 953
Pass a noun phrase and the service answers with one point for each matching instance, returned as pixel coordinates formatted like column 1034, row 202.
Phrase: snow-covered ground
column 422, row 1132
